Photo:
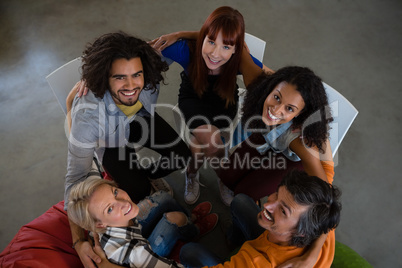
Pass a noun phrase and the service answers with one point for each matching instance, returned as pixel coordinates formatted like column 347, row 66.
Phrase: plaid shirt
column 127, row 247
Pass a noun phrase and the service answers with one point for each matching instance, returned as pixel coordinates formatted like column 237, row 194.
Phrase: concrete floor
column 355, row 46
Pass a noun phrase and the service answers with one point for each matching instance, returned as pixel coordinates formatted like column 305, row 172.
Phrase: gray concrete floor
column 355, row 46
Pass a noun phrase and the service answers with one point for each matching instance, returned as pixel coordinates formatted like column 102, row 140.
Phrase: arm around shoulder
column 82, row 246
column 166, row 40
column 248, row 68
column 310, row 158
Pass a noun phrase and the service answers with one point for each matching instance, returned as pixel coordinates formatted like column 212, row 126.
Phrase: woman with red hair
column 208, row 93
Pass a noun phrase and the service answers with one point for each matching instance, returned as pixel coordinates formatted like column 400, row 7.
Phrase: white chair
column 343, row 112
column 257, row 49
column 63, row 79
column 256, row 46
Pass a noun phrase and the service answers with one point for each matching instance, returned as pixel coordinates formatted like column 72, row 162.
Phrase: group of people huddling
column 133, row 220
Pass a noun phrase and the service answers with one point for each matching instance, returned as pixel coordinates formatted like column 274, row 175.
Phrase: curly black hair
column 313, row 120
column 98, row 58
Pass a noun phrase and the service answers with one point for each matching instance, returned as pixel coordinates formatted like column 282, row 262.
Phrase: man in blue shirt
column 117, row 117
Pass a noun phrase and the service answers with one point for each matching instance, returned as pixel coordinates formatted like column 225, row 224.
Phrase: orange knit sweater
column 261, row 253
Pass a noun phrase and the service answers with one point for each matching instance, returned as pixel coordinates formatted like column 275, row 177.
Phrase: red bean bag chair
column 44, row 242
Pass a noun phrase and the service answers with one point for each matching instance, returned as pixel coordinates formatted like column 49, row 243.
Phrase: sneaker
column 227, row 195
column 202, row 210
column 207, row 224
column 192, row 188
column 161, row 185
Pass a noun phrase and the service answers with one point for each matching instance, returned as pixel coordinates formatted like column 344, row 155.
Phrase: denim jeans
column 149, row 132
column 162, row 234
column 245, row 227
column 196, row 255
column 244, row 217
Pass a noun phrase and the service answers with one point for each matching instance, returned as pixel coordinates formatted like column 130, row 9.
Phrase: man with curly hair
column 117, row 117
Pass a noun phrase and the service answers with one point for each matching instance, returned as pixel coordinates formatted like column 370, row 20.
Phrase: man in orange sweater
column 303, row 208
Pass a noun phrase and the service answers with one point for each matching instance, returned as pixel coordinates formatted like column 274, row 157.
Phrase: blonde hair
column 78, row 203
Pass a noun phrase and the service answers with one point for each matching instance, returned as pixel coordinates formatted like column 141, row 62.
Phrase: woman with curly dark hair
column 310, row 88
column 287, row 116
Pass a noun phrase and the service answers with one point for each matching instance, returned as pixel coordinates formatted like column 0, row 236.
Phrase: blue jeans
column 162, row 234
column 244, row 217
column 245, row 227
column 196, row 255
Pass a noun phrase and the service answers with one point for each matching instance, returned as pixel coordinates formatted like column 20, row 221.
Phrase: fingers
column 163, row 45
column 76, row 86
column 152, row 42
column 99, row 251
column 97, row 247
column 87, row 255
column 96, row 239
column 158, row 43
column 88, row 263
column 81, row 88
column 95, row 257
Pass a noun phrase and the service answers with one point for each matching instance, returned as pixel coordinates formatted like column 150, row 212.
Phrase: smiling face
column 126, row 80
column 112, row 206
column 282, row 104
column 215, row 53
column 280, row 216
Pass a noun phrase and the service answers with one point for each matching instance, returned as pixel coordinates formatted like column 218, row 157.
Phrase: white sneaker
column 192, row 188
column 227, row 195
column 161, row 185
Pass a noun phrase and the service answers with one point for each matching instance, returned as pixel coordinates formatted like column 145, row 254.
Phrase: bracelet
column 79, row 240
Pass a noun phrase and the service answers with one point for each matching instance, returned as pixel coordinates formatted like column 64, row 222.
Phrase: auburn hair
column 230, row 23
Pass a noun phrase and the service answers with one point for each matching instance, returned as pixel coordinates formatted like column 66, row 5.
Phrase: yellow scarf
column 129, row 111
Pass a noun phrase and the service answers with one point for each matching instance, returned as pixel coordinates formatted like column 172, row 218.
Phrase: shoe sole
column 213, row 228
column 210, row 207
